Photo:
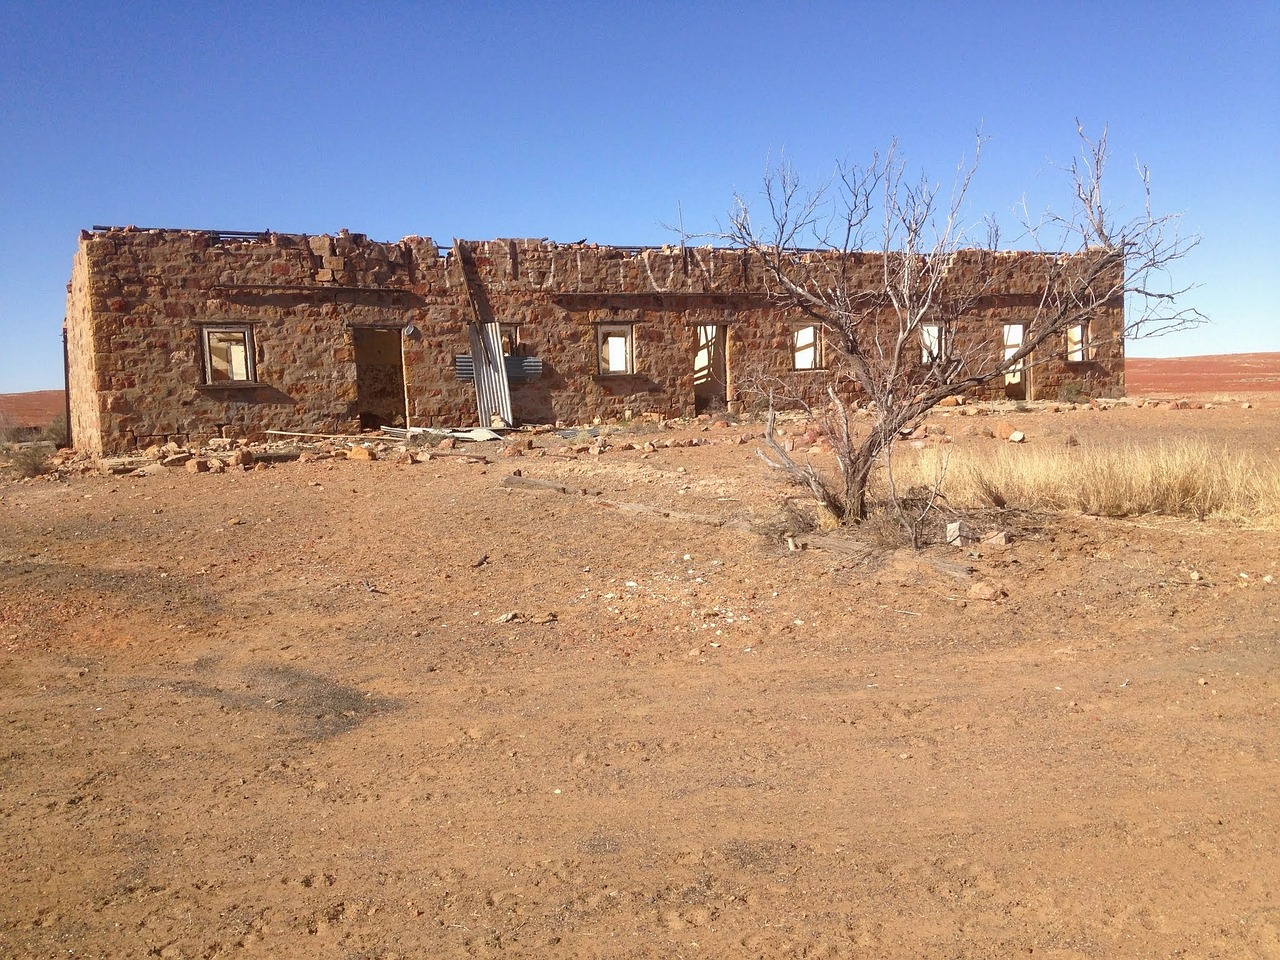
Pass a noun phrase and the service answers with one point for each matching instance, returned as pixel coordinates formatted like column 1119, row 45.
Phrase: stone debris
column 986, row 590
column 1005, row 430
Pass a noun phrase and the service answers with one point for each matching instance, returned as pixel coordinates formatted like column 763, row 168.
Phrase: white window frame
column 806, row 347
column 1079, row 348
column 933, row 343
column 1012, row 346
column 608, row 336
column 243, row 330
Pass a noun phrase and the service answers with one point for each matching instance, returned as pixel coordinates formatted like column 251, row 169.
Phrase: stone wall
column 84, row 398
column 139, row 300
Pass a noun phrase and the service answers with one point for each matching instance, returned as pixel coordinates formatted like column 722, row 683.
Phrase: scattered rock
column 361, row 453
column 1017, row 437
column 197, row 465
column 985, row 590
column 1005, row 430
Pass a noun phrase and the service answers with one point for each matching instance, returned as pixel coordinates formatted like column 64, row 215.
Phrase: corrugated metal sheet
column 493, row 393
column 518, row 368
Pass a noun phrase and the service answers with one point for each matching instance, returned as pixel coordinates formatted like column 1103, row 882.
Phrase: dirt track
column 289, row 713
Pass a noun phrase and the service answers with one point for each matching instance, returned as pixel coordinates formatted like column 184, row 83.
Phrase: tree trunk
column 858, row 474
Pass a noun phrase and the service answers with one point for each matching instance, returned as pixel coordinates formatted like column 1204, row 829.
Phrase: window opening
column 933, row 343
column 806, row 348
column 616, row 343
column 228, row 354
column 1013, row 337
column 1078, row 342
column 510, row 333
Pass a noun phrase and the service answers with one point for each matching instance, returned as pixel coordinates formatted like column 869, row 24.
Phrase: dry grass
column 28, row 460
column 1182, row 478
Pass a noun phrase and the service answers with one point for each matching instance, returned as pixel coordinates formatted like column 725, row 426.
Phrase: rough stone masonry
column 186, row 335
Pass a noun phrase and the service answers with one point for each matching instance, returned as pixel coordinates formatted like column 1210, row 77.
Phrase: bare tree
column 883, row 263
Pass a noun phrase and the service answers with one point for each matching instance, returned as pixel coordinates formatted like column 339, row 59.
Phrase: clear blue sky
column 571, row 120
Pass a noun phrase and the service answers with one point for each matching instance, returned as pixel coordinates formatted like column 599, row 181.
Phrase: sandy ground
column 365, row 710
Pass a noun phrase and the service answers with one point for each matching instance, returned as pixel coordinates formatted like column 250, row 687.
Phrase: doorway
column 1017, row 379
column 710, row 380
column 380, row 396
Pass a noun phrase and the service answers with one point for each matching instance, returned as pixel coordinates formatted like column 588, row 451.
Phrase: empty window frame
column 1014, row 333
column 806, row 347
column 510, row 333
column 615, row 344
column 228, row 354
column 1078, row 347
column 933, row 343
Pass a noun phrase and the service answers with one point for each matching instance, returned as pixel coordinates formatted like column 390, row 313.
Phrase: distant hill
column 1235, row 373
column 35, row 409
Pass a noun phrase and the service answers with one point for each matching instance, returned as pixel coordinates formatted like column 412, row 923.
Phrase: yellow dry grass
column 1182, row 478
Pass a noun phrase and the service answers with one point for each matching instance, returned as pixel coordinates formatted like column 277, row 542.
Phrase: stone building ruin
column 187, row 335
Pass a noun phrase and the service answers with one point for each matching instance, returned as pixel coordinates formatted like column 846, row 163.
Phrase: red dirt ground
column 35, row 409
column 1234, row 373
column 344, row 709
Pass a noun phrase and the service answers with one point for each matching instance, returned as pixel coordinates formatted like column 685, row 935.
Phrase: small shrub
column 789, row 522
column 57, row 432
column 419, row 440
column 1072, row 391
column 9, row 431
column 29, row 461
